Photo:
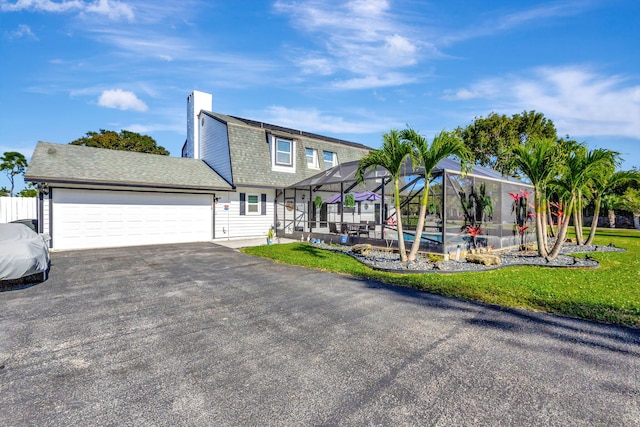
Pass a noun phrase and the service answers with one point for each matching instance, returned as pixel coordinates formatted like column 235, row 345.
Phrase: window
column 330, row 159
column 312, row 158
column 283, row 152
column 253, row 204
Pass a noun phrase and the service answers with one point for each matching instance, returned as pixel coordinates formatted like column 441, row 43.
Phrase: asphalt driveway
column 202, row 335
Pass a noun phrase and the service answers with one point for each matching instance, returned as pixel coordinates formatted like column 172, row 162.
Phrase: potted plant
column 270, row 235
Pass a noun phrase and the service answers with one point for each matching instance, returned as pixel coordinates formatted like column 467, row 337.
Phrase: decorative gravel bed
column 390, row 261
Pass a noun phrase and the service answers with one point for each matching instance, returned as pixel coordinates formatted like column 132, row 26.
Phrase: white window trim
column 314, row 163
column 334, row 159
column 247, row 204
column 277, row 167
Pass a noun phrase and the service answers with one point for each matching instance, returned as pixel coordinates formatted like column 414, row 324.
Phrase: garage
column 98, row 198
column 83, row 218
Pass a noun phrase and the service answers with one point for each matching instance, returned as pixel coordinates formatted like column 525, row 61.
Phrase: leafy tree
column 444, row 144
column 492, row 139
column 125, row 141
column 4, row 191
column 13, row 163
column 630, row 201
column 29, row 191
column 605, row 181
column 391, row 156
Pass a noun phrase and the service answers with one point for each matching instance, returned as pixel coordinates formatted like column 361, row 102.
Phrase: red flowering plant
column 474, row 231
column 522, row 213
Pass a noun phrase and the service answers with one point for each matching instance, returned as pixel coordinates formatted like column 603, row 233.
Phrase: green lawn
column 610, row 293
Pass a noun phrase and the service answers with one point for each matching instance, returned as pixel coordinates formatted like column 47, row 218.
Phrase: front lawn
column 610, row 293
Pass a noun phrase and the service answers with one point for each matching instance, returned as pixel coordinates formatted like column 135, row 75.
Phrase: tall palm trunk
column 423, row 212
column 594, row 222
column 549, row 220
column 612, row 218
column 562, row 233
column 401, row 247
column 540, row 238
column 577, row 218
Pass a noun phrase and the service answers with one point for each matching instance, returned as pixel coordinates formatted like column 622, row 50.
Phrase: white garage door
column 100, row 218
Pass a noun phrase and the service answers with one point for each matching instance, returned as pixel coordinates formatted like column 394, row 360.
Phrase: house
column 225, row 186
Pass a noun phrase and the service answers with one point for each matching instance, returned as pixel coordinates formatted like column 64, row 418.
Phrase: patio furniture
column 333, row 228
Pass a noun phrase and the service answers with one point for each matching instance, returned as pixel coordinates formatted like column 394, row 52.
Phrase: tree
column 578, row 169
column 630, row 201
column 491, row 139
column 606, row 180
column 391, row 156
column 538, row 158
column 29, row 191
column 125, row 141
column 4, row 191
column 13, row 163
column 444, row 144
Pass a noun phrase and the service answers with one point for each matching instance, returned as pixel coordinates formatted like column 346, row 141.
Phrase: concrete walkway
column 245, row 243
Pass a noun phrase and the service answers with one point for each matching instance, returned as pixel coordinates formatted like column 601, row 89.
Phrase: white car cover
column 22, row 252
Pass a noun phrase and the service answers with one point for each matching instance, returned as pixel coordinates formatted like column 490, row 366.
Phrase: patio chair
column 333, row 228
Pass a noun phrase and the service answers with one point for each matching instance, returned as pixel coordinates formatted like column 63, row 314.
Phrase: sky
column 346, row 69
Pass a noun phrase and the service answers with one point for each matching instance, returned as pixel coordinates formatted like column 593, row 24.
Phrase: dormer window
column 312, row 158
column 330, row 159
column 284, row 152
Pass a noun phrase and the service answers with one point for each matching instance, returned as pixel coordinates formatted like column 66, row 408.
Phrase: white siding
column 231, row 225
column 214, row 146
column 14, row 208
column 103, row 218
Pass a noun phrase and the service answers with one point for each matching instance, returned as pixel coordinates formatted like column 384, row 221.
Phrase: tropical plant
column 474, row 231
column 539, row 159
column 605, row 181
column 444, row 144
column 391, row 156
column 578, row 169
column 318, row 201
column 13, row 163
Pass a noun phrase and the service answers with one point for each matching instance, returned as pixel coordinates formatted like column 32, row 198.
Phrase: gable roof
column 79, row 165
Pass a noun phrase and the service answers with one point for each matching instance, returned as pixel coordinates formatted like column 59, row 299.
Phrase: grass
column 610, row 293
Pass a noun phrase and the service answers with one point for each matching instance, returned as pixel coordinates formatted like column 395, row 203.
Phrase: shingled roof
column 71, row 164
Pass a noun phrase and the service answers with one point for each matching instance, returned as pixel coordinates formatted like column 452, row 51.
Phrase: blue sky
column 348, row 69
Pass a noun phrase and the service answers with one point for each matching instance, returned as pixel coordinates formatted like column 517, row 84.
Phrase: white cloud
column 121, row 99
column 314, row 120
column 391, row 79
column 23, row 31
column 579, row 101
column 360, row 37
column 112, row 9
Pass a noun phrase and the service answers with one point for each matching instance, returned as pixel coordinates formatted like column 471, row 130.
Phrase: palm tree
column 579, row 168
column 444, row 144
column 391, row 156
column 538, row 158
column 604, row 183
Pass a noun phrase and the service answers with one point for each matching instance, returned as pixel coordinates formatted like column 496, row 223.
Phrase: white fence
column 13, row 208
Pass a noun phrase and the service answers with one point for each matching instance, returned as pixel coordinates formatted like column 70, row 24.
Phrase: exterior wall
column 214, row 148
column 229, row 224
column 195, row 102
column 14, row 208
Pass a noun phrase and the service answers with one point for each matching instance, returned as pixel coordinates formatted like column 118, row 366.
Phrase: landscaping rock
column 362, row 248
column 529, row 247
column 484, row 259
